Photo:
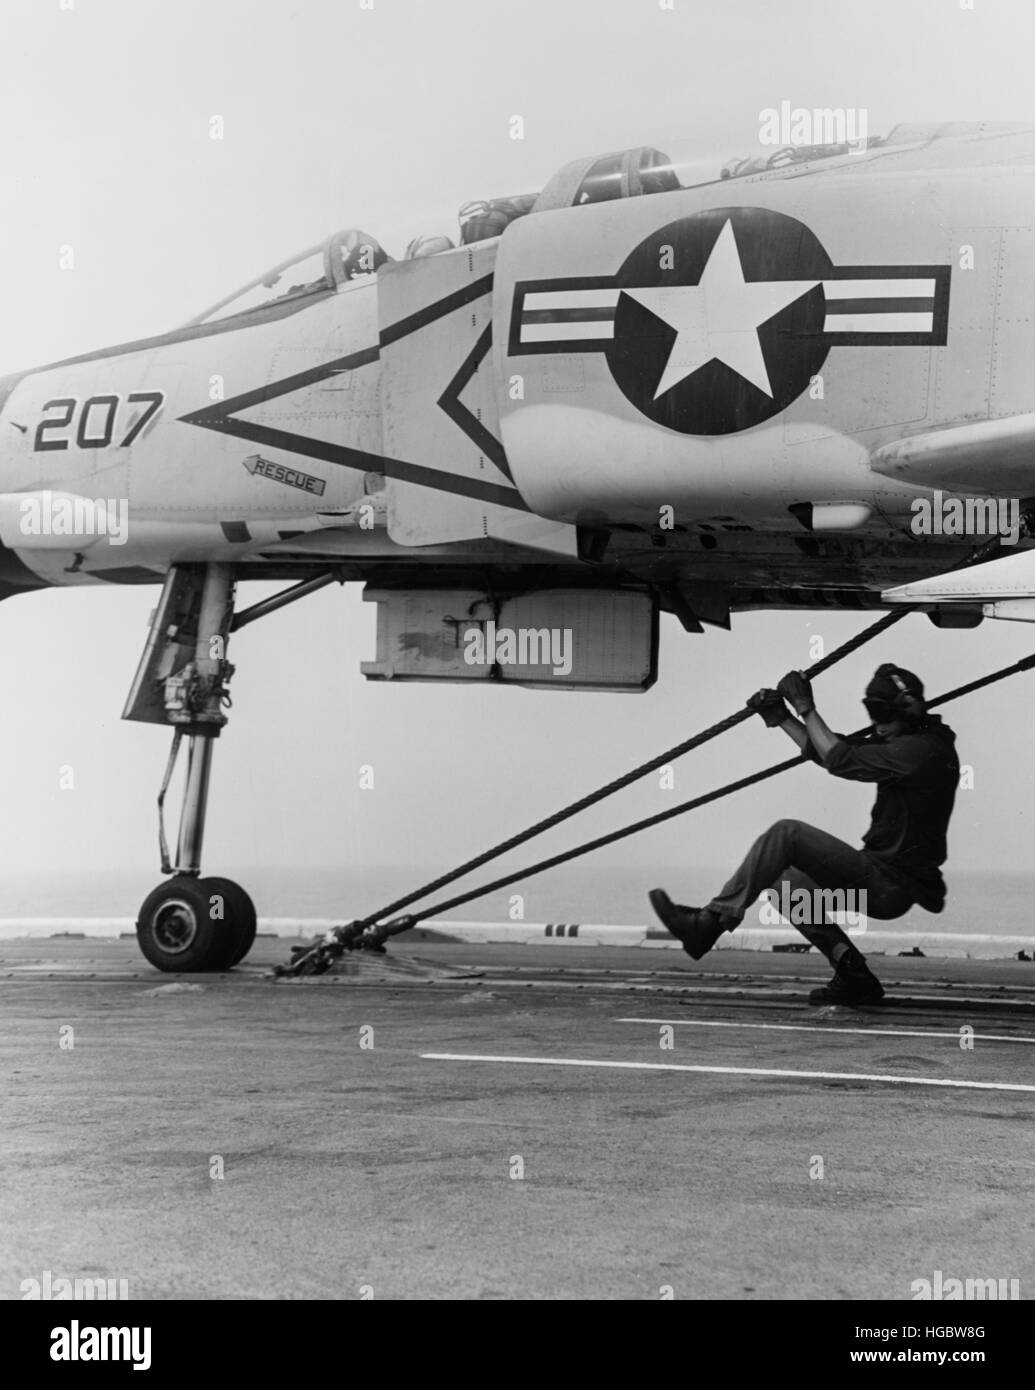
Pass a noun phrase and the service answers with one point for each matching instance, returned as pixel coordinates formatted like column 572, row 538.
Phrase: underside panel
column 554, row 639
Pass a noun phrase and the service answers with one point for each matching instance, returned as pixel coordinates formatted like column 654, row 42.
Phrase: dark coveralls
column 917, row 774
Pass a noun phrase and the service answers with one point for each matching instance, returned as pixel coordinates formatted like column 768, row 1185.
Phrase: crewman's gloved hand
column 795, row 688
column 770, row 706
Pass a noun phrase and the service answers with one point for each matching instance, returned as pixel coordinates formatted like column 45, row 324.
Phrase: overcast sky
column 390, row 118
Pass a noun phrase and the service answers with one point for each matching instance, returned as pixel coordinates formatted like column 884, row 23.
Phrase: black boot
column 853, row 982
column 698, row 928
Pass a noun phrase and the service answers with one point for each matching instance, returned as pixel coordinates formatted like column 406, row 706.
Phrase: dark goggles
column 880, row 711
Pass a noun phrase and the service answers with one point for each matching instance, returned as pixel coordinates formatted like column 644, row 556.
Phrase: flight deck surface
column 493, row 1122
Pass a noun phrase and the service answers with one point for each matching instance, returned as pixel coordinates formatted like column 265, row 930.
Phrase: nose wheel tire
column 239, row 915
column 189, row 924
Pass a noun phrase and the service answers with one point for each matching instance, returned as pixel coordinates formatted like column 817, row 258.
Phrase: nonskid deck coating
column 350, row 1167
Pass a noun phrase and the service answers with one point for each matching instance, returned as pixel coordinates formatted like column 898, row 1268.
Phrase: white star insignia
column 718, row 318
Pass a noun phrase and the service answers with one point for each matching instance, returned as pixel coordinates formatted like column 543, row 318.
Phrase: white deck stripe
column 572, row 329
column 725, row 1071
column 583, row 299
column 878, row 323
column 822, row 1028
column 879, row 289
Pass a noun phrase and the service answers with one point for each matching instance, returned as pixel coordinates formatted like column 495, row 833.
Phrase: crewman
column 911, row 756
column 360, row 254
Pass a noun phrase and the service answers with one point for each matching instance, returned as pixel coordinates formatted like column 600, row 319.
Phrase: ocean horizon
column 985, row 903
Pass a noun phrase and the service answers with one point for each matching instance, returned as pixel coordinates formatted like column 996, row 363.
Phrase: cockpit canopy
column 596, row 179
column 352, row 254
column 599, row 179
column 346, row 255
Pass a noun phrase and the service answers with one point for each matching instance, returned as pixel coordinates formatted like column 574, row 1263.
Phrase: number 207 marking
column 96, row 424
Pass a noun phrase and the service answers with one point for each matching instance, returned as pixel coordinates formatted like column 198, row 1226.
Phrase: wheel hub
column 175, row 926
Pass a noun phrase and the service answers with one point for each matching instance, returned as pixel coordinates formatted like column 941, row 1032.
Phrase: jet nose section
column 15, row 576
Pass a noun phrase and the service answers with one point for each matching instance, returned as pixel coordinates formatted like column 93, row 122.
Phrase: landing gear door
column 450, row 480
column 170, row 645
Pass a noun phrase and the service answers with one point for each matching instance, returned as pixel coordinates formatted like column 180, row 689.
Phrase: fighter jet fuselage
column 770, row 390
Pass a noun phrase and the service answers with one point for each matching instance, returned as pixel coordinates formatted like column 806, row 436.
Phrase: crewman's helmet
column 895, row 693
column 427, row 246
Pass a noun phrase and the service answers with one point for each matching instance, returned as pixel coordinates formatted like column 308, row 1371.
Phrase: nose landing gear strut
column 190, row 923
